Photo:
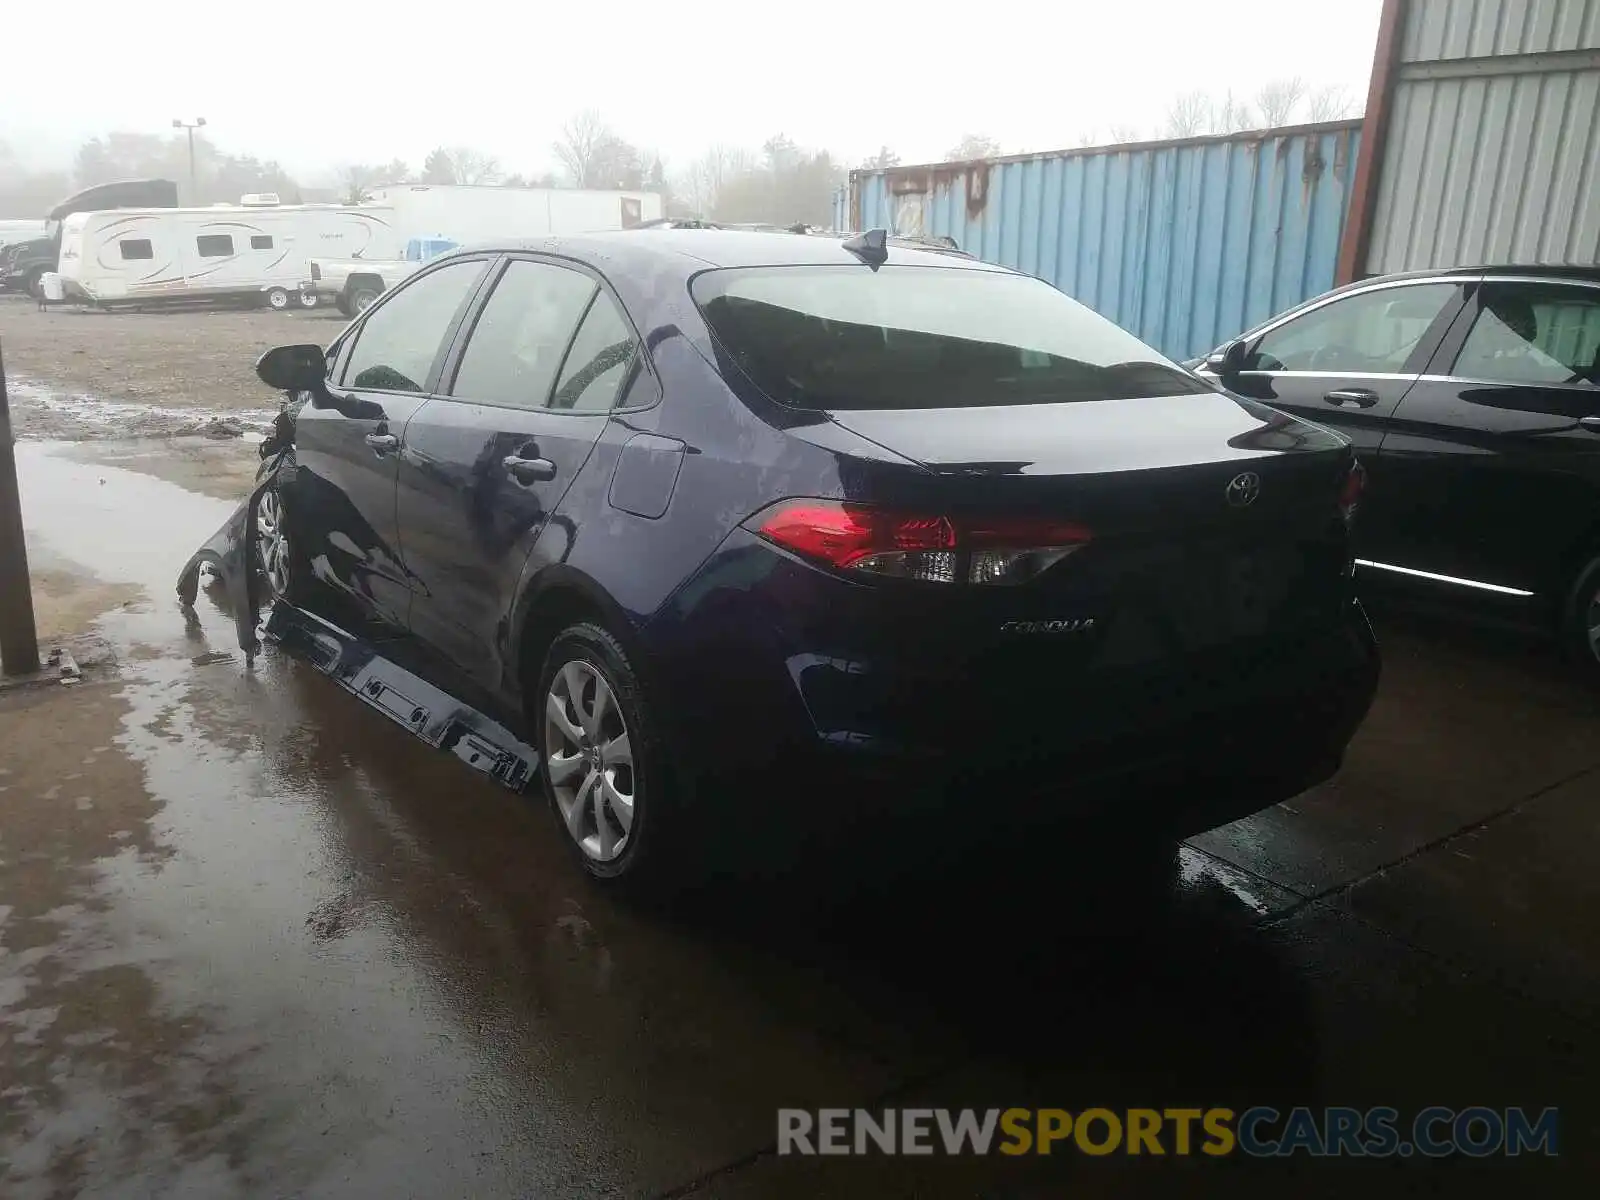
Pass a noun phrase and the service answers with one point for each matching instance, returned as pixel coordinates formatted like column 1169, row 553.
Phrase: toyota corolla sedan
column 742, row 521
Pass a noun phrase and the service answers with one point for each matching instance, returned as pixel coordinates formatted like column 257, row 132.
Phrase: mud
column 78, row 373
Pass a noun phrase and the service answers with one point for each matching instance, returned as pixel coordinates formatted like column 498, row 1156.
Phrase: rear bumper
column 1196, row 743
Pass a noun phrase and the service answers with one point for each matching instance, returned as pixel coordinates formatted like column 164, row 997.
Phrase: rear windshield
column 848, row 337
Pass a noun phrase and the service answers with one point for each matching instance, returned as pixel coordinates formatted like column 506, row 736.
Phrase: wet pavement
column 257, row 940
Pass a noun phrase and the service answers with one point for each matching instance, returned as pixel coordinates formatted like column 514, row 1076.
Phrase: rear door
column 1493, row 460
column 382, row 371
column 528, row 393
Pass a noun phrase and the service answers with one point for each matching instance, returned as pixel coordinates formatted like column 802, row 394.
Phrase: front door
column 1347, row 365
column 342, row 497
column 486, row 464
column 1494, row 457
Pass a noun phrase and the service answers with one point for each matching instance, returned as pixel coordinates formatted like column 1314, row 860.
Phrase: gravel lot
column 80, row 374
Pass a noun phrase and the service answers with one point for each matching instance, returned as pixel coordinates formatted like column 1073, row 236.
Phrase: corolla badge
column 1243, row 489
column 1051, row 625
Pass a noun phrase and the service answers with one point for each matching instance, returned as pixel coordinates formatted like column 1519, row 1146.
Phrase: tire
column 284, row 569
column 277, row 299
column 606, row 781
column 1581, row 623
column 360, row 297
column 308, row 299
column 343, row 305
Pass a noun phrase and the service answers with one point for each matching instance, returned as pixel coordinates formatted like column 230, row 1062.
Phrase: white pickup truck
column 354, row 283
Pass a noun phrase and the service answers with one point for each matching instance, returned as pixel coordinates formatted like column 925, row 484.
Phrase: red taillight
column 934, row 549
column 1350, row 494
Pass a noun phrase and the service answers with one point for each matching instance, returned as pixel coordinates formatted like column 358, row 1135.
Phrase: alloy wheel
column 590, row 760
column 272, row 543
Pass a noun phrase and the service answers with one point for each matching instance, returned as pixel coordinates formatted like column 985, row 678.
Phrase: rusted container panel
column 1184, row 243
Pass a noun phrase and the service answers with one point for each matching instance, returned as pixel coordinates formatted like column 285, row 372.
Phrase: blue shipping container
column 1184, row 243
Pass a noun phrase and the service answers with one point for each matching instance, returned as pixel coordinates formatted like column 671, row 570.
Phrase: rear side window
column 521, row 337
column 134, row 249
column 602, row 360
column 214, row 245
column 847, row 337
column 1534, row 334
column 398, row 342
column 260, row 241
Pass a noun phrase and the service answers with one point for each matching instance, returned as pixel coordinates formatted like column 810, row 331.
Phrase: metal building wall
column 1183, row 243
column 1492, row 148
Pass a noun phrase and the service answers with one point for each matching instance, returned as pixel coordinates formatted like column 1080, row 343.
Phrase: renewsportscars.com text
column 1260, row 1132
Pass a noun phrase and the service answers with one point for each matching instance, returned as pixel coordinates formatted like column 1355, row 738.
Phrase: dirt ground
column 79, row 374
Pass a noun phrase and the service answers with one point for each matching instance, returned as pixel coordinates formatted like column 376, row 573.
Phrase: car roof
column 698, row 248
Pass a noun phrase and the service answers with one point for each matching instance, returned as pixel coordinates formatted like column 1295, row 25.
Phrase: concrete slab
column 1465, row 725
column 1519, row 896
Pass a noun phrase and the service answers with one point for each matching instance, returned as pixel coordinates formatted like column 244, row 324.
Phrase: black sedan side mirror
column 1229, row 360
column 293, row 368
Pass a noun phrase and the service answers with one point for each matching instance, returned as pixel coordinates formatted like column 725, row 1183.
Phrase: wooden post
column 19, row 637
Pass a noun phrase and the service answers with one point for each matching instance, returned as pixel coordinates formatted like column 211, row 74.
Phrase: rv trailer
column 243, row 253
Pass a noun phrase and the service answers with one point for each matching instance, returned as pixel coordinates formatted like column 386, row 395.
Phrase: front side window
column 1371, row 333
column 398, row 343
column 521, row 337
column 214, row 245
column 1531, row 333
column 849, row 337
column 134, row 249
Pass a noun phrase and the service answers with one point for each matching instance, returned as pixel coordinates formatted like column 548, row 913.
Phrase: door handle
column 1360, row 397
column 1592, row 424
column 528, row 471
column 382, row 443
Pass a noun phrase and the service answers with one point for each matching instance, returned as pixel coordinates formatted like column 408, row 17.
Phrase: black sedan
column 722, row 512
column 1473, row 399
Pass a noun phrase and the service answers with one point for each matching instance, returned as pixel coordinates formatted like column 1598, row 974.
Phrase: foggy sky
column 316, row 83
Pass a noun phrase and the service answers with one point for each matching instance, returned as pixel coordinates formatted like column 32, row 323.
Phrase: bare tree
column 882, row 160
column 1331, row 103
column 582, row 139
column 1278, row 100
column 973, row 146
column 1121, row 134
column 703, row 181
column 1233, row 115
column 474, row 166
column 1189, row 115
column 1088, row 137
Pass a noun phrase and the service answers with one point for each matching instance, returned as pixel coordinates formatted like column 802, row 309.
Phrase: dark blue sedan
column 721, row 512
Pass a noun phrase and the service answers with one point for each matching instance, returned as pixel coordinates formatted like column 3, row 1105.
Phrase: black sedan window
column 521, row 337
column 398, row 342
column 848, row 337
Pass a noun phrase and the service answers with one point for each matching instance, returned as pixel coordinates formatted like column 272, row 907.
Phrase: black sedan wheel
column 598, row 758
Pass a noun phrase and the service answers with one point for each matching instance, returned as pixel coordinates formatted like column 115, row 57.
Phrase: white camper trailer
column 469, row 213
column 150, row 255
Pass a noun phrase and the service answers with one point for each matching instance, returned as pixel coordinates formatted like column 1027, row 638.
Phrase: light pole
column 189, row 127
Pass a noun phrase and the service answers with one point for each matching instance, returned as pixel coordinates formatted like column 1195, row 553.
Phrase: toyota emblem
column 1243, row 489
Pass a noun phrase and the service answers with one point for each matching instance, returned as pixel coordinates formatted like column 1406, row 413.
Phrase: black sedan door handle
column 1592, row 424
column 1360, row 397
column 382, row 443
column 528, row 471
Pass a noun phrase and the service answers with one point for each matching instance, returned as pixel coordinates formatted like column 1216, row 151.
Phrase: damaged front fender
column 231, row 555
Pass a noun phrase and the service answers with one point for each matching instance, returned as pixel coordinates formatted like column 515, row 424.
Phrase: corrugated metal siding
column 1182, row 243
column 1493, row 151
column 1440, row 30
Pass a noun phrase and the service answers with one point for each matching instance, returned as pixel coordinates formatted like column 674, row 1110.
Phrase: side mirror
column 293, row 369
column 1229, row 360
